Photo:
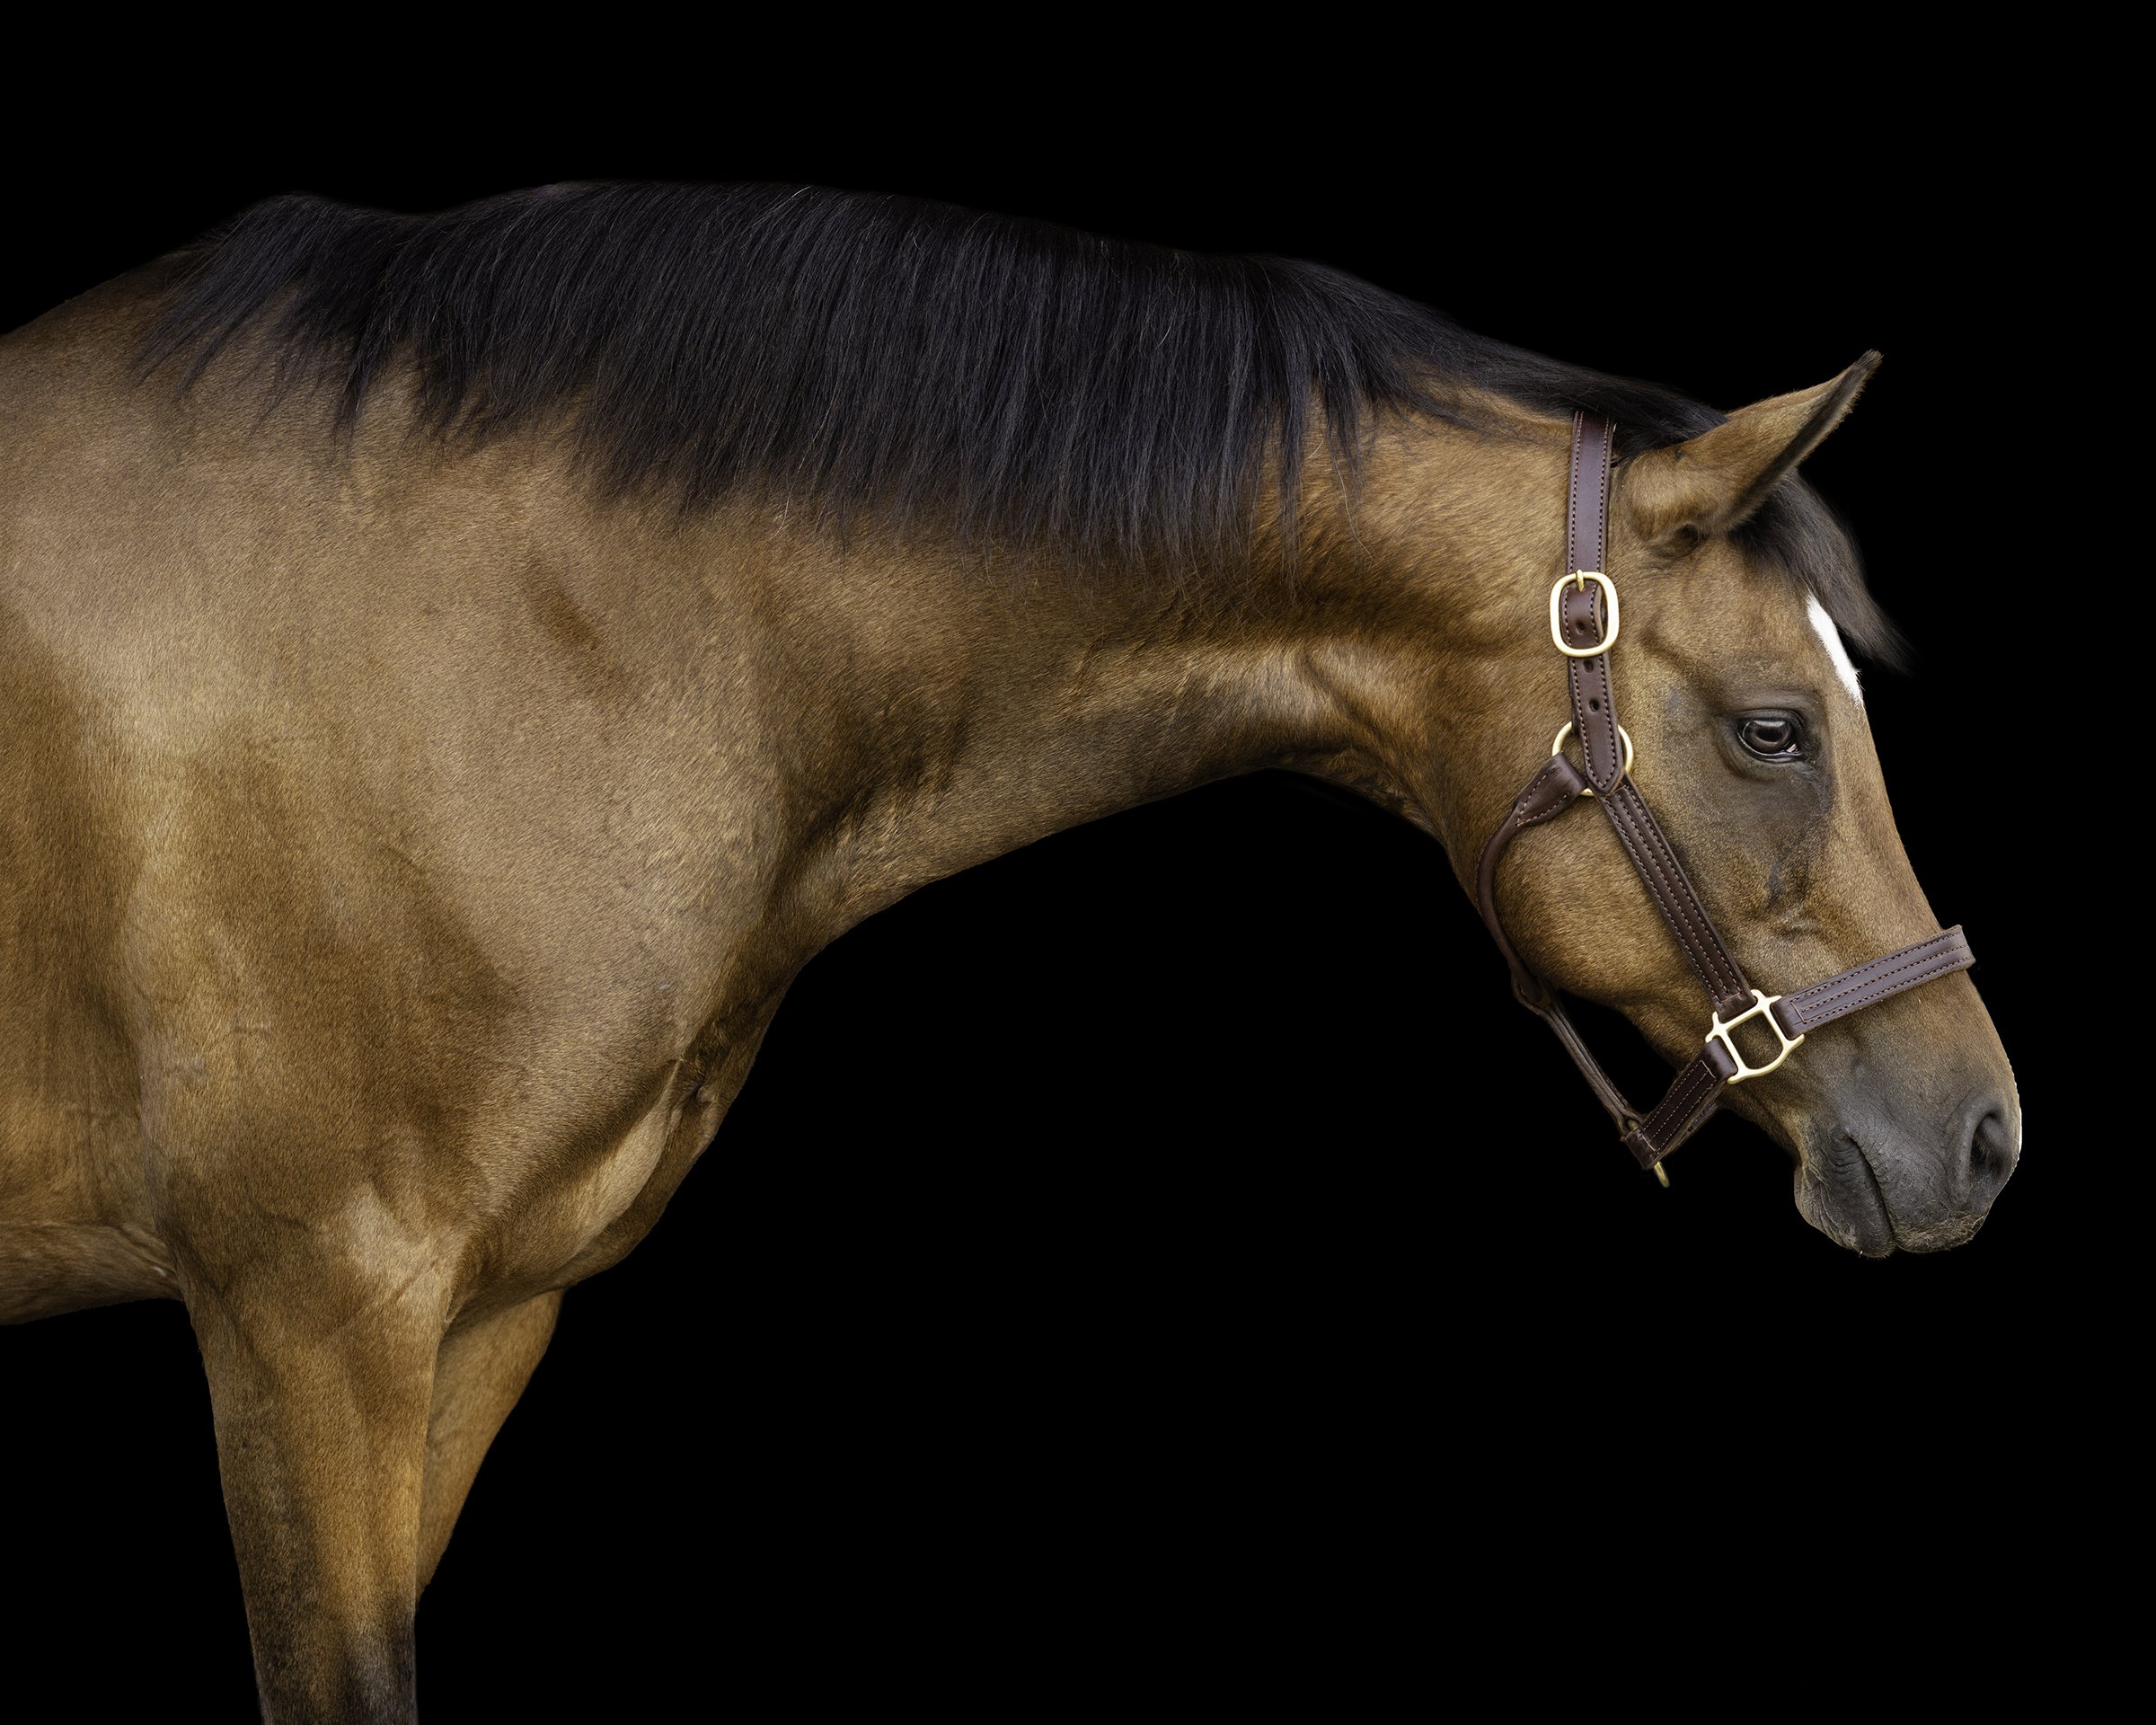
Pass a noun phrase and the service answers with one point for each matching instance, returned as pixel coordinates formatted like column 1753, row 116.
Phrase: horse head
column 1743, row 727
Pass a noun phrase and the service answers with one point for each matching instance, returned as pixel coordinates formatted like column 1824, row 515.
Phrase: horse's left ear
column 1695, row 490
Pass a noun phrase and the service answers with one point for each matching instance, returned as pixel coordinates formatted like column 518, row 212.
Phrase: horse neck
column 936, row 709
column 939, row 715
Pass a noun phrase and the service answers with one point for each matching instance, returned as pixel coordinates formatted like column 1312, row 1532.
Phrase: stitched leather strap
column 1549, row 794
column 1554, row 788
column 1696, row 1092
column 1614, row 1102
column 1670, row 889
column 1580, row 612
column 1692, row 1097
column 1651, row 1135
column 1581, row 623
column 1838, row 996
column 1687, row 1105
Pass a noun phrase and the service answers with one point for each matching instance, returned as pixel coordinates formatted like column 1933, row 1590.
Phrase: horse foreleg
column 482, row 1370
column 321, row 1409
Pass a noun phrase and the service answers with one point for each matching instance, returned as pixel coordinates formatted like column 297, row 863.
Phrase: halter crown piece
column 1584, row 624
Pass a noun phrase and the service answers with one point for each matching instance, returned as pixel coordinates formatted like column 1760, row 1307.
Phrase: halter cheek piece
column 1584, row 624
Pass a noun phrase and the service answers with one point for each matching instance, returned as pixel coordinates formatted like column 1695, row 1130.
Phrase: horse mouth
column 1844, row 1199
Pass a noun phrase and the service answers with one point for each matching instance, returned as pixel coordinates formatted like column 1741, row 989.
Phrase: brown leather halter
column 1584, row 622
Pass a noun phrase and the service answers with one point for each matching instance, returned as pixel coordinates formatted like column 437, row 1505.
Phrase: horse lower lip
column 1875, row 1231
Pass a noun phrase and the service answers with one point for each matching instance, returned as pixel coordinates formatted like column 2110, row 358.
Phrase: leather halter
column 1584, row 621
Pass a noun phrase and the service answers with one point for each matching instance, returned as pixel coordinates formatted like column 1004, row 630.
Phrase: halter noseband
column 1584, row 624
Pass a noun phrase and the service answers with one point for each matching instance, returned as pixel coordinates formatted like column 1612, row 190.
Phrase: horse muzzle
column 1869, row 1183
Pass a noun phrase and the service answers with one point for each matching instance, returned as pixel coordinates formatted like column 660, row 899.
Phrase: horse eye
column 1772, row 739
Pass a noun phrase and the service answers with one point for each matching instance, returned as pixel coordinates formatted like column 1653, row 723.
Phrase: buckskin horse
column 459, row 668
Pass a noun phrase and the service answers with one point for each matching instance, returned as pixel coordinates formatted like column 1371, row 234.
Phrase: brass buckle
column 1558, row 748
column 1579, row 578
column 1758, row 1009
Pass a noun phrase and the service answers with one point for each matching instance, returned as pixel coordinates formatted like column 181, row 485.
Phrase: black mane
column 889, row 357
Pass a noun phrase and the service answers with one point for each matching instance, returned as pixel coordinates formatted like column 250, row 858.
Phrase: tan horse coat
column 404, row 853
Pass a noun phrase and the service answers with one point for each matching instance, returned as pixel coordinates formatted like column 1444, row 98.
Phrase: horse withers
column 460, row 669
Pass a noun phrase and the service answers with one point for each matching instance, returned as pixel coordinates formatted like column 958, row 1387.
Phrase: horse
column 462, row 666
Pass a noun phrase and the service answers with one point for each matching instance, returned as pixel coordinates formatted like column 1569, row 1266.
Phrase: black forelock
column 896, row 358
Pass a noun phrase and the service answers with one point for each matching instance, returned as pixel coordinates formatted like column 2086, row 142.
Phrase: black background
column 1104, row 1258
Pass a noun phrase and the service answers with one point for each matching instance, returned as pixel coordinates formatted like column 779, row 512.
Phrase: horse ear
column 1695, row 490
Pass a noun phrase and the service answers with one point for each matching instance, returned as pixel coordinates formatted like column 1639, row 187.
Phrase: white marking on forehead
column 1823, row 627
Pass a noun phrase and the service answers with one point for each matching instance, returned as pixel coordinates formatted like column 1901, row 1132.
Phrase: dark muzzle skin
column 1876, row 1188
column 1913, row 1135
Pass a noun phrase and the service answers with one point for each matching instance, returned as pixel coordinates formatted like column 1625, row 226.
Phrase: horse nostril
column 1992, row 1155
